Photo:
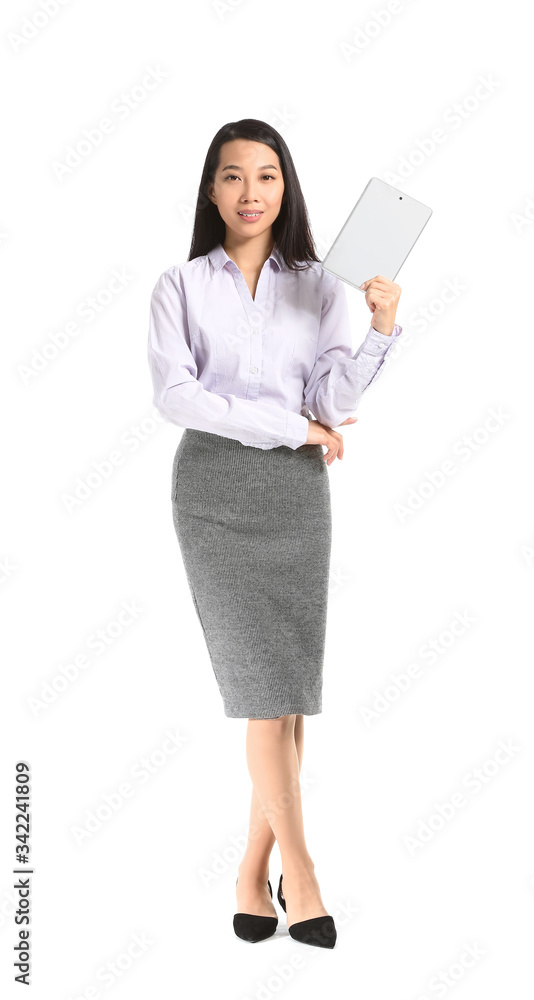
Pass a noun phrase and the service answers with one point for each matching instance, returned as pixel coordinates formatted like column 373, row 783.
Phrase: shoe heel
column 280, row 897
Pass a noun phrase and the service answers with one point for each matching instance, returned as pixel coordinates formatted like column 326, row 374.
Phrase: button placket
column 255, row 355
column 253, row 307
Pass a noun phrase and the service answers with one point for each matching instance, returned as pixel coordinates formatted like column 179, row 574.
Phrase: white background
column 353, row 98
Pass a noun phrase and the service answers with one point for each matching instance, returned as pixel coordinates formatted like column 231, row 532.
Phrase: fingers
column 377, row 283
column 381, row 282
column 334, row 443
column 382, row 293
column 382, row 301
column 330, row 456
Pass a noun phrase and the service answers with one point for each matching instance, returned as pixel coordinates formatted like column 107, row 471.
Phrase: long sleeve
column 339, row 378
column 183, row 400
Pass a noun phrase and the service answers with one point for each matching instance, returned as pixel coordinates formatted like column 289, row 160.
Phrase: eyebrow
column 232, row 166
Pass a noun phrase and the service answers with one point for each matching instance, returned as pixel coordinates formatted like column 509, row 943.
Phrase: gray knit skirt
column 254, row 529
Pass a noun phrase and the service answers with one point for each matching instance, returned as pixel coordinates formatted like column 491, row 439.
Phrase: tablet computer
column 378, row 235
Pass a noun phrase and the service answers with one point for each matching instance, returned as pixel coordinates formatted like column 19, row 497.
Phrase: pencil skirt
column 254, row 528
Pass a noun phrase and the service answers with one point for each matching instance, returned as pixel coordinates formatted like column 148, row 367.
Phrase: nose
column 248, row 192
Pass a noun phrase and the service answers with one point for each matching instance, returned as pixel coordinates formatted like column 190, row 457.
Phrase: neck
column 249, row 255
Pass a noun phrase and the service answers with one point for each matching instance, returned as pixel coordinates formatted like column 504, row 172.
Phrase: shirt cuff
column 379, row 342
column 296, row 429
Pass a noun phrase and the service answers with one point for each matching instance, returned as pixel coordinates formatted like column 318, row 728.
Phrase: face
column 248, row 179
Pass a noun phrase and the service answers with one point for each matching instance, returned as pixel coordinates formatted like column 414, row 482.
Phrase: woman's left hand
column 382, row 297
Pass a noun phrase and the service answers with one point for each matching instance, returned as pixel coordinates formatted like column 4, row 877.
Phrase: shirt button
column 253, row 370
column 255, row 331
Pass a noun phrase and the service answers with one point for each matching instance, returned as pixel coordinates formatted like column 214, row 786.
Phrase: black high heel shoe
column 251, row 926
column 320, row 931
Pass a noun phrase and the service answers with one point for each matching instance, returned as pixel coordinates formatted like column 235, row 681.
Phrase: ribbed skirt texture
column 254, row 529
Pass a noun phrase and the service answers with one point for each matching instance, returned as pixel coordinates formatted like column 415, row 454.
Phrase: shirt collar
column 219, row 258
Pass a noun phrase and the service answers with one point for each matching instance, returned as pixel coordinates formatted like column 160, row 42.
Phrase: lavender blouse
column 257, row 369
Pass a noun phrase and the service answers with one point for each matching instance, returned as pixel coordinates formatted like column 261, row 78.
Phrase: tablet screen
column 378, row 235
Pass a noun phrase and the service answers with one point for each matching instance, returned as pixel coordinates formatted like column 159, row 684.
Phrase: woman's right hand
column 321, row 434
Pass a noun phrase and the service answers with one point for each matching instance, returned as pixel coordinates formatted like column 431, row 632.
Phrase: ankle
column 300, row 867
column 253, row 871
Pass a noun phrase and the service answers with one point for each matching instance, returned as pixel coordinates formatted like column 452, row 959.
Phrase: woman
column 250, row 351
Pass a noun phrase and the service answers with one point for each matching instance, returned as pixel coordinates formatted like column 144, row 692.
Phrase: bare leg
column 274, row 767
column 253, row 871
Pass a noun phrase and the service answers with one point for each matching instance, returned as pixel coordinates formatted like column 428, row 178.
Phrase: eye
column 229, row 176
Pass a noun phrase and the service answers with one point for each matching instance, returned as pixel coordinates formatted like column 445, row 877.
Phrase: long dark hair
column 291, row 229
